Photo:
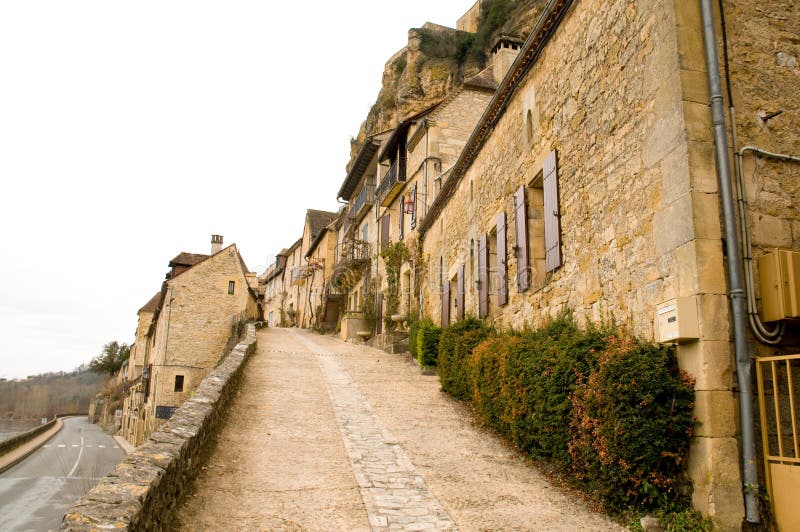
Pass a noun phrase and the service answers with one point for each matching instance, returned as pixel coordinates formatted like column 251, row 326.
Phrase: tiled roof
column 318, row 220
column 482, row 80
column 151, row 305
column 187, row 259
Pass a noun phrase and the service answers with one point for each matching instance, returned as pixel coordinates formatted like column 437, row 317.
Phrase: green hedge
column 455, row 348
column 427, row 340
column 612, row 411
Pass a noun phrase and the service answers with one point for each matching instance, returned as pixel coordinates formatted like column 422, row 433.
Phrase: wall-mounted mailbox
column 780, row 285
column 676, row 321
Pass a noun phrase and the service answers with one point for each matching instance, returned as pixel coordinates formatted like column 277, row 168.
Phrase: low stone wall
column 10, row 444
column 20, row 439
column 143, row 491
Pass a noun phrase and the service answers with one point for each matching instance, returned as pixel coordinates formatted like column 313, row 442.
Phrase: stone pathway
column 326, row 435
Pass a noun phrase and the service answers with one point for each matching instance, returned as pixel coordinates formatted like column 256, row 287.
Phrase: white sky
column 131, row 131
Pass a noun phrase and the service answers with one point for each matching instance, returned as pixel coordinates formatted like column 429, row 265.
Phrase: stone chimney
column 216, row 243
column 504, row 52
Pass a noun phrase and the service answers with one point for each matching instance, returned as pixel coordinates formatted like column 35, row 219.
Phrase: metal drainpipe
column 735, row 277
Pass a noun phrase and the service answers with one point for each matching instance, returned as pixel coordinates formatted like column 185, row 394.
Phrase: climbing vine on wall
column 393, row 255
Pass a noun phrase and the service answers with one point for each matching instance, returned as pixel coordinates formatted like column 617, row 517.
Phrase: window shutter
column 413, row 195
column 446, row 304
column 502, row 261
column 483, row 277
column 379, row 314
column 521, row 249
column 552, row 216
column 401, row 217
column 385, row 221
column 460, row 294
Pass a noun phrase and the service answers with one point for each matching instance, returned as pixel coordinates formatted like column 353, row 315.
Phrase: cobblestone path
column 326, row 435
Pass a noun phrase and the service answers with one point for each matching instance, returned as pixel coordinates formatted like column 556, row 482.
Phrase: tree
column 111, row 359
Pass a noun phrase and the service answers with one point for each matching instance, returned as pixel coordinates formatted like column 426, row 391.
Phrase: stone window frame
column 231, row 287
column 179, row 383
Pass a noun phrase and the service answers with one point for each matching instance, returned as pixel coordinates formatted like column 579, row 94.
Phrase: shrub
column 522, row 384
column 427, row 342
column 455, row 349
column 631, row 424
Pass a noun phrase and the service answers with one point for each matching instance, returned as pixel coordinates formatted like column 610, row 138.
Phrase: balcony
column 354, row 259
column 362, row 203
column 392, row 182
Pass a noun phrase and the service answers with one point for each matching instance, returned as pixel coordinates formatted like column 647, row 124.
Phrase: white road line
column 89, row 446
column 78, row 461
column 61, row 445
column 101, row 446
column 47, row 445
column 75, row 445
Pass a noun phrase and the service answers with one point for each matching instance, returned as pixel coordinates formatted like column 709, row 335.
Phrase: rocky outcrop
column 142, row 491
column 436, row 61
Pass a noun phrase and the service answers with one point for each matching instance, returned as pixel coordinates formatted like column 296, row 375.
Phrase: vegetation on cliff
column 437, row 60
column 48, row 394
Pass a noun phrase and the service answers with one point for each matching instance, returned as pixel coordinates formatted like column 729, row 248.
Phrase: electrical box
column 676, row 321
column 780, row 285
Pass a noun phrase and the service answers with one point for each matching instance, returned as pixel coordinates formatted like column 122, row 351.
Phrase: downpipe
column 736, row 292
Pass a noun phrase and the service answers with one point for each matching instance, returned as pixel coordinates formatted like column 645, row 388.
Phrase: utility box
column 676, row 321
column 780, row 285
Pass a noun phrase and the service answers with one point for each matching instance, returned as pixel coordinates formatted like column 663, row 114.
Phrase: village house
column 272, row 294
column 590, row 184
column 200, row 304
column 290, row 281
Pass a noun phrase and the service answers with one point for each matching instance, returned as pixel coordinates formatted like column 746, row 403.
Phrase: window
column 537, row 227
column 231, row 287
column 178, row 383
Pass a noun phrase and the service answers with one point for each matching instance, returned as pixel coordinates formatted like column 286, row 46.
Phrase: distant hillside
column 48, row 394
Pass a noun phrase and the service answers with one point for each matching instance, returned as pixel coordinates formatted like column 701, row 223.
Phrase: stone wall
column 620, row 92
column 142, row 492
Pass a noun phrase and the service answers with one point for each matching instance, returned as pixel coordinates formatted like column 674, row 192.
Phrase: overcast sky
column 132, row 131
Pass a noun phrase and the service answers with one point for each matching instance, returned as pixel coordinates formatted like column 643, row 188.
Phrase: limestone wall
column 142, row 492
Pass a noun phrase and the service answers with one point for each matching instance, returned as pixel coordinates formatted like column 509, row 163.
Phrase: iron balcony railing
column 392, row 181
column 364, row 200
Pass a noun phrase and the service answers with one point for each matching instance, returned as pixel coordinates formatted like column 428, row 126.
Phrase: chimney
column 504, row 53
column 216, row 243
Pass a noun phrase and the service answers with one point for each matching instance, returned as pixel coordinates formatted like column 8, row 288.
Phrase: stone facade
column 198, row 310
column 143, row 490
column 620, row 95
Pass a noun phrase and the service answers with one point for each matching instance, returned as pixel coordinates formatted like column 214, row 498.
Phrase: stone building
column 138, row 349
column 272, row 290
column 200, row 304
column 306, row 294
column 290, row 297
column 590, row 184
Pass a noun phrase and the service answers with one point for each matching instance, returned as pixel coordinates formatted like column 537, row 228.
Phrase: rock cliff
column 438, row 59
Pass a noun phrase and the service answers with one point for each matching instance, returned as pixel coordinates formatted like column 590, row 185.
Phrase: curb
column 22, row 452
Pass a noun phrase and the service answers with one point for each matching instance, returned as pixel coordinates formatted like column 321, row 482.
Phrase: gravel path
column 333, row 436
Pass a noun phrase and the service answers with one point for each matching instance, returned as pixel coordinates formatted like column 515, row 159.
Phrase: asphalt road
column 36, row 493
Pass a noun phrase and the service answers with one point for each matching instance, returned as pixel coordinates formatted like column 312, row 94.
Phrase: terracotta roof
column 318, row 220
column 187, row 259
column 151, row 305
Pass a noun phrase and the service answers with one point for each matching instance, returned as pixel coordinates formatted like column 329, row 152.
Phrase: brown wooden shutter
column 552, row 216
column 401, row 217
column 521, row 249
column 446, row 304
column 385, row 221
column 460, row 294
column 502, row 261
column 379, row 314
column 413, row 196
column 483, row 277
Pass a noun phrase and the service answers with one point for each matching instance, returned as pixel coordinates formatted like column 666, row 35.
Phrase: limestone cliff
column 438, row 59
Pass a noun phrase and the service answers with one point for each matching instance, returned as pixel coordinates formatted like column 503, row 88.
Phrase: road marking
column 101, row 446
column 75, row 445
column 88, row 446
column 47, row 445
column 80, row 453
column 61, row 445
column 116, row 447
